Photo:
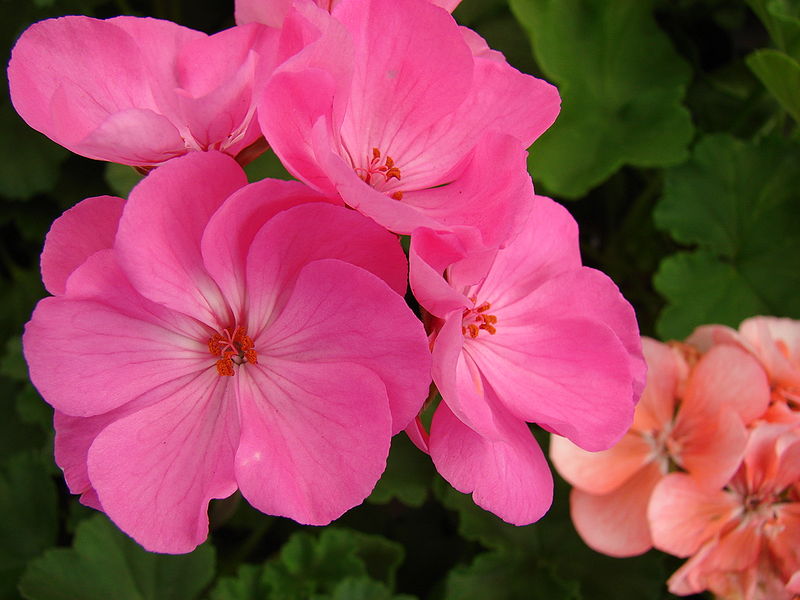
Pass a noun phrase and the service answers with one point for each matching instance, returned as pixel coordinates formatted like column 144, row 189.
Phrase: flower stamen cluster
column 236, row 348
column 476, row 319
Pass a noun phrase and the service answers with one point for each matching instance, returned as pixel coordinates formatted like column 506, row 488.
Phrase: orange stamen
column 233, row 349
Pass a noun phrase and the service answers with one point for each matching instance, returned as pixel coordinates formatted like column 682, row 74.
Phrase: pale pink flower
column 274, row 12
column 690, row 417
column 411, row 120
column 744, row 540
column 776, row 343
column 140, row 91
column 218, row 335
column 539, row 339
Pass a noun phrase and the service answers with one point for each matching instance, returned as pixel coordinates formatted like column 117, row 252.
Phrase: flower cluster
column 710, row 468
column 207, row 335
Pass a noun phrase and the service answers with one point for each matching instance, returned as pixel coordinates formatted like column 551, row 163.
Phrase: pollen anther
column 236, row 348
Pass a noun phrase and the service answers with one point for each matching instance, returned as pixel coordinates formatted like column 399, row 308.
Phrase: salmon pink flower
column 776, row 344
column 218, row 335
column 139, row 91
column 690, row 417
column 743, row 539
column 409, row 119
column 538, row 339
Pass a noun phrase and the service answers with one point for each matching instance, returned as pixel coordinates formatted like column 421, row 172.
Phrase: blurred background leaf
column 621, row 85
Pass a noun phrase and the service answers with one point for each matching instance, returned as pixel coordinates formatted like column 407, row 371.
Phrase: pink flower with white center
column 743, row 539
column 691, row 417
column 274, row 12
column 538, row 339
column 174, row 90
column 216, row 335
column 776, row 343
column 409, row 118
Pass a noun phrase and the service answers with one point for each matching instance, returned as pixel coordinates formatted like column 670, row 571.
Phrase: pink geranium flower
column 743, row 539
column 216, row 335
column 140, row 91
column 690, row 417
column 409, row 118
column 776, row 344
column 538, row 339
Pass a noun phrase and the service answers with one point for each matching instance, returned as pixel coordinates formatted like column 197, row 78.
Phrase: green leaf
column 266, row 165
column 28, row 503
column 30, row 165
column 739, row 204
column 362, row 589
column 121, row 178
column 247, row 585
column 482, row 526
column 503, row 576
column 782, row 20
column 621, row 85
column 408, row 475
column 104, row 563
column 780, row 74
column 310, row 565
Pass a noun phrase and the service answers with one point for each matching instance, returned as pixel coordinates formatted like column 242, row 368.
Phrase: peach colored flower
column 743, row 539
column 690, row 418
column 776, row 344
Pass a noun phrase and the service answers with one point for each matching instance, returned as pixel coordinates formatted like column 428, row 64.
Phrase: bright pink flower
column 233, row 336
column 138, row 91
column 411, row 120
column 689, row 417
column 539, row 339
column 743, row 538
column 776, row 343
column 274, row 12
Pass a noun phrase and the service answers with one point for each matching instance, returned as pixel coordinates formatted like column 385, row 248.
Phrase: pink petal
column 570, row 374
column 683, row 516
column 546, row 247
column 429, row 255
column 602, row 472
column 459, row 380
column 418, row 435
column 93, row 351
column 81, row 231
column 217, row 74
column 230, row 231
column 501, row 99
column 289, row 133
column 507, row 476
column 594, row 295
column 492, row 193
column 398, row 91
column 727, row 378
column 64, row 65
column 315, row 437
column 133, row 136
column 339, row 313
column 616, row 523
column 158, row 242
column 156, row 469
column 74, row 435
column 268, row 12
column 303, row 234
